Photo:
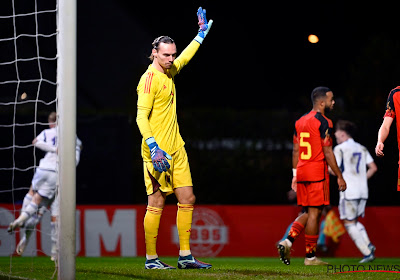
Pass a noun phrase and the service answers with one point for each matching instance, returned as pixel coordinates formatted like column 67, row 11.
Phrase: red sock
column 295, row 231
column 311, row 245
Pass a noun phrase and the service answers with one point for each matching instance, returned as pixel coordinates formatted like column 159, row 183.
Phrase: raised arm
column 188, row 53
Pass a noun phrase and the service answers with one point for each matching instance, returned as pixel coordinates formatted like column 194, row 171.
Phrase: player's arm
column 295, row 160
column 384, row 130
column 338, row 156
column 146, row 93
column 331, row 160
column 372, row 168
column 326, row 130
column 188, row 53
column 383, row 133
column 142, row 121
column 158, row 156
column 40, row 143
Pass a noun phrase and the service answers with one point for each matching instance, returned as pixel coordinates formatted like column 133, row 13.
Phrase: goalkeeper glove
column 203, row 24
column 158, row 156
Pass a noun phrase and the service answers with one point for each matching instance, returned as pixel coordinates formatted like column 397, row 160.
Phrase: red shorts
column 313, row 193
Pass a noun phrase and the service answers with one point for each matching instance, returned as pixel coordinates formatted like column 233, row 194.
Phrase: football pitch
column 223, row 268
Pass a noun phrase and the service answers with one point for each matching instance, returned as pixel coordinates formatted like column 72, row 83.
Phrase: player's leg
column 27, row 198
column 360, row 213
column 155, row 204
column 26, row 233
column 183, row 189
column 297, row 227
column 55, row 211
column 321, row 242
column 184, row 220
column 311, row 230
column 350, row 211
column 356, row 236
column 29, row 227
column 285, row 235
column 285, row 245
column 44, row 186
column 364, row 234
column 30, row 210
column 318, row 198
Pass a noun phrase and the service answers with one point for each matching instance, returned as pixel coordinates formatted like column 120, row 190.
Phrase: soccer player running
column 312, row 153
column 165, row 162
column 392, row 106
column 353, row 159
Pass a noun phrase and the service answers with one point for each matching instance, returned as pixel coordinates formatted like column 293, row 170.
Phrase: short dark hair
column 158, row 40
column 347, row 126
column 318, row 92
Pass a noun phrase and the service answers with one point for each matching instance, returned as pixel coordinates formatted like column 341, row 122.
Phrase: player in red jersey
column 312, row 153
column 392, row 106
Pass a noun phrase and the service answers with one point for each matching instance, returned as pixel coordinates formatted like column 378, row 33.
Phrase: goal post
column 66, row 92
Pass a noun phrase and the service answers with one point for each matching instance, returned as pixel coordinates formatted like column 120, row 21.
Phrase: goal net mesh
column 28, row 93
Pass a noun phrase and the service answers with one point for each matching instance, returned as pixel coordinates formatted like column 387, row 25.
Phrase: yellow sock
column 184, row 225
column 151, row 225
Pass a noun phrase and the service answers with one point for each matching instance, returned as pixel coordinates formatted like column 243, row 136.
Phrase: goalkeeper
column 165, row 162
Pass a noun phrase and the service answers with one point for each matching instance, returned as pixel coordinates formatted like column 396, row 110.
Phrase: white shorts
column 45, row 182
column 351, row 209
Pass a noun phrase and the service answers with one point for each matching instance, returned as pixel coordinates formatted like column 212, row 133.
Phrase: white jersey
column 352, row 158
column 47, row 141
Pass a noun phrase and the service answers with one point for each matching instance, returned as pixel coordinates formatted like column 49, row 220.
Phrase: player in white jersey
column 44, row 186
column 353, row 159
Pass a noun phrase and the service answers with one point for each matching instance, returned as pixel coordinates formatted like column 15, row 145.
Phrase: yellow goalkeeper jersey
column 156, row 115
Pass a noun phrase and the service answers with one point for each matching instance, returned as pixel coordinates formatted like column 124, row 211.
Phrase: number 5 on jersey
column 307, row 155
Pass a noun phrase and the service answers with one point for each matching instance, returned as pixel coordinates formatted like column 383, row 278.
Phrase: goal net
column 29, row 92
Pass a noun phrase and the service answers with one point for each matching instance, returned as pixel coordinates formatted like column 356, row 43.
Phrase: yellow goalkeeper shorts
column 178, row 175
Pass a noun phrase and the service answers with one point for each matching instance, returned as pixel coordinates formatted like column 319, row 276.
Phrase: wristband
column 150, row 140
column 294, row 170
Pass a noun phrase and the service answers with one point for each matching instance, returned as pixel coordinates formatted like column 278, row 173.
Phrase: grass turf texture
column 223, row 268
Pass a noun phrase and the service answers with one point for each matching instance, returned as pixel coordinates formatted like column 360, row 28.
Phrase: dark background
column 237, row 99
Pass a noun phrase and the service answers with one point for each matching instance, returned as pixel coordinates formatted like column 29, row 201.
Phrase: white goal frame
column 66, row 94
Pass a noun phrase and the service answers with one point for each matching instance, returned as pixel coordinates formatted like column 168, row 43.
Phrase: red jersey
column 393, row 106
column 312, row 132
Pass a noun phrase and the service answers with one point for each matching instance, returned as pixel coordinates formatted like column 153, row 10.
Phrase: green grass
column 223, row 268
